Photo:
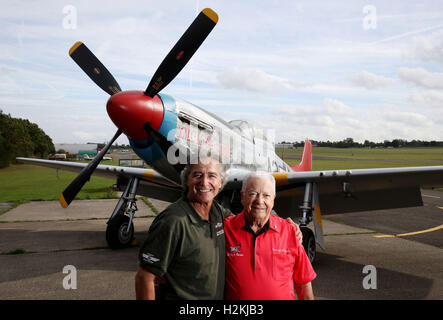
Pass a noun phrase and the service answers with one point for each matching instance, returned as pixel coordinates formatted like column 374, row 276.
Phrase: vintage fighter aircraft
column 167, row 133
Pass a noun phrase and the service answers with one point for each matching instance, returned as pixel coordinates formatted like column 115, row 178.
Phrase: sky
column 324, row 70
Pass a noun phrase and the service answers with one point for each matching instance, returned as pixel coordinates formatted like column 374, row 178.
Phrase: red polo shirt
column 264, row 266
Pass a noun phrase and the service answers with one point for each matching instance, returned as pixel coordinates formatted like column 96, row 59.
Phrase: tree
column 21, row 138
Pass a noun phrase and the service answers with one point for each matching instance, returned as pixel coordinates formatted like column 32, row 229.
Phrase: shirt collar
column 272, row 224
column 193, row 215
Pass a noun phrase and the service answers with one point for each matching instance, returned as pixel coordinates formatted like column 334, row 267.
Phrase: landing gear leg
column 120, row 230
column 308, row 236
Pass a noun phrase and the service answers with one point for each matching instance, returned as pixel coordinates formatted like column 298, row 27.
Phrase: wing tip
column 211, row 14
column 74, row 47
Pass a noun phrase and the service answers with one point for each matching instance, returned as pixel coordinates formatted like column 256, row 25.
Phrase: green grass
column 150, row 205
column 357, row 164
column 418, row 154
column 362, row 158
column 30, row 183
column 20, row 183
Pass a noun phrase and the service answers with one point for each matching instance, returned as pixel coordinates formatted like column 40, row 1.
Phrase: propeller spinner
column 173, row 63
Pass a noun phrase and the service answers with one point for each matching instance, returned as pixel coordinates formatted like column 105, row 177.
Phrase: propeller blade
column 73, row 189
column 183, row 50
column 94, row 68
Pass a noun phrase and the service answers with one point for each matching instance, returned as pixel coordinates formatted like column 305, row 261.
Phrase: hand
column 159, row 280
column 299, row 234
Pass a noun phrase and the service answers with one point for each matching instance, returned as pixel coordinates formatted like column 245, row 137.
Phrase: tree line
column 21, row 138
column 350, row 143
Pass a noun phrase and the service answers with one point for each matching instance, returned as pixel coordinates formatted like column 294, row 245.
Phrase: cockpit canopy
column 248, row 130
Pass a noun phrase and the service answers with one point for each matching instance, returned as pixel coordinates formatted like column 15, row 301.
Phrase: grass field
column 418, row 154
column 361, row 158
column 28, row 182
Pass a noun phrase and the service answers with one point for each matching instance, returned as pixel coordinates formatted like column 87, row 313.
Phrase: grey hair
column 258, row 174
column 184, row 175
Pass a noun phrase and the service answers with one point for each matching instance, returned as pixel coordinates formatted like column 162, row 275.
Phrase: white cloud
column 369, row 80
column 427, row 48
column 85, row 136
column 329, row 114
column 262, row 53
column 335, row 107
column 421, row 77
column 407, row 118
column 255, row 80
column 429, row 98
column 304, row 115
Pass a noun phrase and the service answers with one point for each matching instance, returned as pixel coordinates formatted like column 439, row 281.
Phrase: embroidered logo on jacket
column 219, row 229
column 149, row 257
column 235, row 251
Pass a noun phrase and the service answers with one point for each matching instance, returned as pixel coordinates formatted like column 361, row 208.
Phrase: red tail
column 306, row 159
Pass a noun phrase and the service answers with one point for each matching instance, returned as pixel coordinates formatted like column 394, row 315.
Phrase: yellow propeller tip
column 63, row 201
column 74, row 47
column 211, row 14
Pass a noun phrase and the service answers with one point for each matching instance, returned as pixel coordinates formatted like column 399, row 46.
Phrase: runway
column 39, row 239
column 404, row 245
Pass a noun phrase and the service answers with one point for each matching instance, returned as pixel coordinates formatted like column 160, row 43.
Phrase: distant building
column 74, row 148
column 86, row 154
column 284, row 146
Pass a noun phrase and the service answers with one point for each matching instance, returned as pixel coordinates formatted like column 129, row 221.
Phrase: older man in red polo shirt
column 264, row 260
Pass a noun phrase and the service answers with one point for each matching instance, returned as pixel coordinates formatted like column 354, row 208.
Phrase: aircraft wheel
column 309, row 243
column 116, row 234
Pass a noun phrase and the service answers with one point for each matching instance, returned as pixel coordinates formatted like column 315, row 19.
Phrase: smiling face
column 204, row 182
column 258, row 198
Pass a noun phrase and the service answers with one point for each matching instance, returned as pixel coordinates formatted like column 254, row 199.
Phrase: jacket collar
column 193, row 215
column 273, row 222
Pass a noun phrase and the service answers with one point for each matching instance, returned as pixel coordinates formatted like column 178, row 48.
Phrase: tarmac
column 44, row 249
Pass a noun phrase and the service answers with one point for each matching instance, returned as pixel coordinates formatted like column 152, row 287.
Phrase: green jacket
column 187, row 251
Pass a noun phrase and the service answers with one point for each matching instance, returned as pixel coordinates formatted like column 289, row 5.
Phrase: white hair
column 258, row 174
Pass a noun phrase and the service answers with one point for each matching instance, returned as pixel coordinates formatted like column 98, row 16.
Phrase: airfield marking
column 412, row 233
column 409, row 233
column 425, row 195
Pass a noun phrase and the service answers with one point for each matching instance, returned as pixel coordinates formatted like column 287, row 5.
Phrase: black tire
column 309, row 243
column 116, row 235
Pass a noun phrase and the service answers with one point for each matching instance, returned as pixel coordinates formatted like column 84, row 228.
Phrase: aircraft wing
column 339, row 191
column 342, row 191
column 152, row 183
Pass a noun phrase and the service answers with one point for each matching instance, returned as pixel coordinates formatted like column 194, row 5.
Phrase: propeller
column 98, row 73
column 173, row 63
column 75, row 186
column 95, row 70
column 183, row 50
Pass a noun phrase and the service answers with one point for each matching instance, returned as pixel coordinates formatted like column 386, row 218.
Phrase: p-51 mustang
column 167, row 133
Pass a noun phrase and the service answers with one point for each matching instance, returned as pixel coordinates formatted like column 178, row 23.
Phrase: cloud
column 429, row 98
column 335, row 107
column 40, row 82
column 421, row 77
column 255, row 80
column 369, row 80
column 328, row 114
column 305, row 115
column 88, row 136
column 427, row 48
column 408, row 118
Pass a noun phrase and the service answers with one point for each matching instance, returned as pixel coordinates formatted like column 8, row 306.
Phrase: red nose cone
column 130, row 110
